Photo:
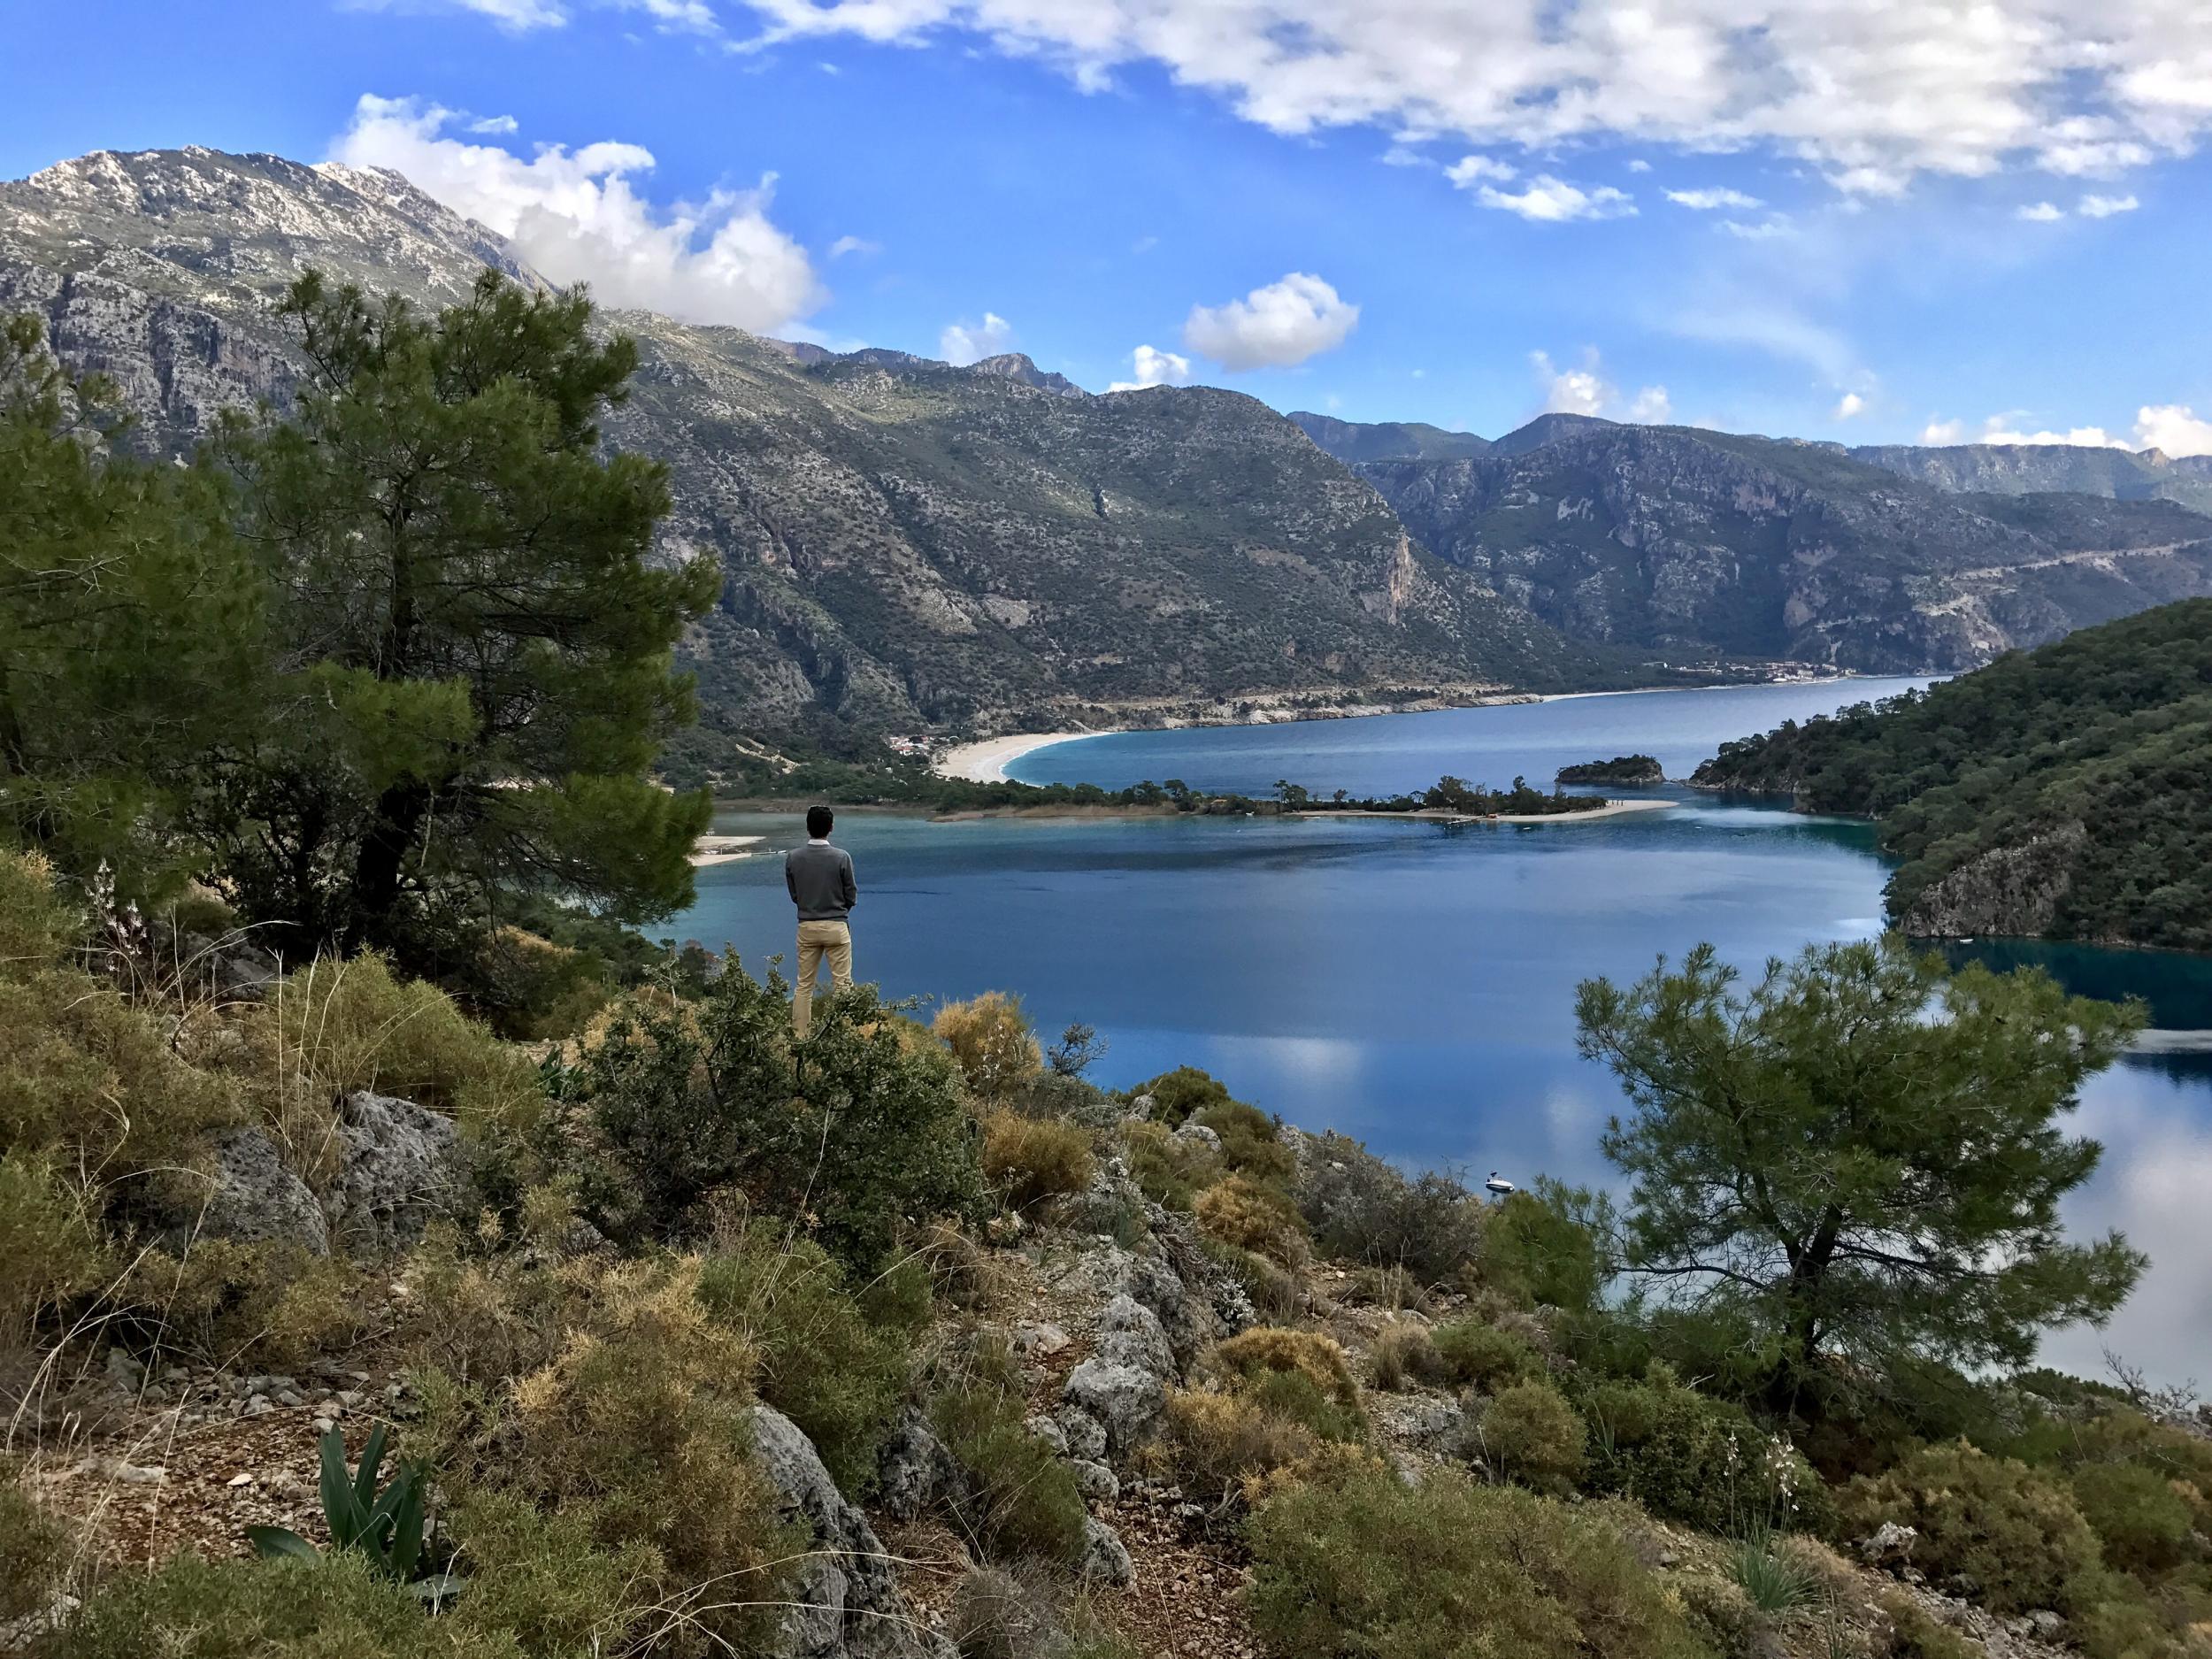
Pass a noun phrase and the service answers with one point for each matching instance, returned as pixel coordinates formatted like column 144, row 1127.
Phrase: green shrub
column 1178, row 1094
column 1528, row 1432
column 991, row 1043
column 1218, row 1442
column 1404, row 1352
column 328, row 1609
column 1772, row 1580
column 1699, row 1461
column 1540, row 1249
column 34, row 1550
column 1249, row 1144
column 1277, row 1295
column 2142, row 1523
column 1171, row 1172
column 1015, row 1497
column 1360, row 1208
column 1371, row 1568
column 355, row 1024
column 2015, row 1533
column 860, row 1134
column 641, row 1430
column 541, row 1579
column 834, row 1371
column 1030, row 1160
column 2128, row 1627
column 52, row 1250
column 1266, row 1350
column 998, row 1614
column 1721, row 1614
column 1253, row 1218
column 1480, row 1356
column 1914, row 1634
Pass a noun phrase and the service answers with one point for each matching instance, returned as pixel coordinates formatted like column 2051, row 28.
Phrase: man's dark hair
column 819, row 819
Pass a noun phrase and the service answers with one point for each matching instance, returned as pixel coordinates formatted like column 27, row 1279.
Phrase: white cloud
column 1639, row 166
column 848, row 245
column 495, row 124
column 1869, row 94
column 1585, row 391
column 1154, row 368
column 1848, row 405
column 574, row 217
column 2173, row 427
column 1998, row 429
column 2041, row 212
column 1944, row 433
column 1554, row 201
column 517, row 17
column 2105, row 206
column 1757, row 230
column 963, row 344
column 1474, row 169
column 1273, row 326
column 1706, row 201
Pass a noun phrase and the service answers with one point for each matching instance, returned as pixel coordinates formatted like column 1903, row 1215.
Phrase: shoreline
column 1440, row 815
column 986, row 761
column 709, row 850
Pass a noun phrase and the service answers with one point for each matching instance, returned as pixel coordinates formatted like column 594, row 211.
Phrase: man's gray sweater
column 820, row 878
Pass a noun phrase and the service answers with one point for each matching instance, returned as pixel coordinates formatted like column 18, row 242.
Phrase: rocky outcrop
column 2009, row 891
column 258, row 1198
column 846, row 1603
column 400, row 1166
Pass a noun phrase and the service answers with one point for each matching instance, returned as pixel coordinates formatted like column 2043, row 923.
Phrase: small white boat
column 1498, row 1185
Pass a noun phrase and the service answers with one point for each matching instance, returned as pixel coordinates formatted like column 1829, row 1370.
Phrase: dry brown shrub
column 1253, row 1218
column 1403, row 1352
column 1032, row 1160
column 1272, row 1348
column 991, row 1042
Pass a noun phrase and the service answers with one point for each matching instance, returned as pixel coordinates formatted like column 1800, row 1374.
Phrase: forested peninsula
column 2063, row 792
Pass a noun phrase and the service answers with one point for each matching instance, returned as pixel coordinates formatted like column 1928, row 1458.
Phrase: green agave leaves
column 388, row 1527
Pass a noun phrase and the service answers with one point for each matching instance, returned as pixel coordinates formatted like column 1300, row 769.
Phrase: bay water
column 1412, row 984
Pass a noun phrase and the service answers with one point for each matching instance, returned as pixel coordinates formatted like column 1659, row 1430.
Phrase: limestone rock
column 846, row 1604
column 912, row 1468
column 1130, row 1334
column 257, row 1198
column 400, row 1167
column 1105, row 1557
column 1125, row 1402
column 1085, row 1436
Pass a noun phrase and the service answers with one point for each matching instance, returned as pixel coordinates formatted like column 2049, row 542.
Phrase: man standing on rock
column 820, row 880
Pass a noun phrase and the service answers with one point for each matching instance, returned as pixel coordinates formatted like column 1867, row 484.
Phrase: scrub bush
column 193, row 1608
column 2143, row 1525
column 991, row 1043
column 861, row 1134
column 1481, row 1355
column 1249, row 1144
column 34, row 1550
column 1528, row 1433
column 1015, row 1498
column 1253, row 1218
column 1178, row 1094
column 2016, row 1534
column 823, row 1362
column 1032, row 1160
column 1689, row 1458
column 1171, row 1172
column 1370, row 1567
column 1404, row 1352
column 1267, row 1350
column 1362, row 1209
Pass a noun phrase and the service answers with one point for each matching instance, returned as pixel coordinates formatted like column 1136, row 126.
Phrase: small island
column 1635, row 772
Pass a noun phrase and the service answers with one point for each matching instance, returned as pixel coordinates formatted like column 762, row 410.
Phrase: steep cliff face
column 1675, row 540
column 2012, row 891
column 906, row 542
column 2023, row 469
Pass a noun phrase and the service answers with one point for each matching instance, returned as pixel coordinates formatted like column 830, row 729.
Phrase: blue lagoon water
column 1412, row 984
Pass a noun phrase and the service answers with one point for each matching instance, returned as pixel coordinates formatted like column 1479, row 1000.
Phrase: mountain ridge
column 908, row 544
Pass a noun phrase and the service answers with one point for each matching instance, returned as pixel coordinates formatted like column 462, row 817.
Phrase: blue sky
column 1891, row 232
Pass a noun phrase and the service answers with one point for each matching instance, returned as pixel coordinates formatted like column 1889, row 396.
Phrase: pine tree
column 1861, row 1154
column 474, row 644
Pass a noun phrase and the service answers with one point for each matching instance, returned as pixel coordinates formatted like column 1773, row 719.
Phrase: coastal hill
column 2064, row 792
column 907, row 543
column 1680, row 541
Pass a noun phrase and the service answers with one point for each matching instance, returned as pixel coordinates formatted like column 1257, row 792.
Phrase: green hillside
column 2064, row 791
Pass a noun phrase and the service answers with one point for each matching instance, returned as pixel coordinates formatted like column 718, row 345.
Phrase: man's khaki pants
column 817, row 940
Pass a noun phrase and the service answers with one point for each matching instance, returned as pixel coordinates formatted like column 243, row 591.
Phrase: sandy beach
column 987, row 762
column 722, row 849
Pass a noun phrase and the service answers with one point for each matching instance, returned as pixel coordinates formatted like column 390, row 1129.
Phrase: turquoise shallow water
column 1412, row 984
